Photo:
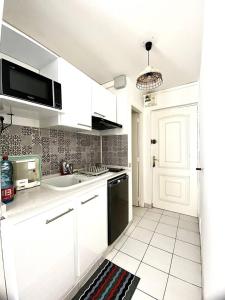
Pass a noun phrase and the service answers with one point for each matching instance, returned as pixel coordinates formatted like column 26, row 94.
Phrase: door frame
column 198, row 149
column 141, row 149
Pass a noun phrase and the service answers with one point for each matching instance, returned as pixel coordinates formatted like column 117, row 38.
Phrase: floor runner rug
column 109, row 282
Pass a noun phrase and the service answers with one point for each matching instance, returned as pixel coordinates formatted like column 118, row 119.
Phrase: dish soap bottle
column 7, row 188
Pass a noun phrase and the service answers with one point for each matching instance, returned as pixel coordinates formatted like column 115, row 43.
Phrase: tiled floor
column 163, row 249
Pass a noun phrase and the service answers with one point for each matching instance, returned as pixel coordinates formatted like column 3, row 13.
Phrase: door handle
column 98, row 114
column 83, row 202
column 154, row 159
column 80, row 124
column 59, row 216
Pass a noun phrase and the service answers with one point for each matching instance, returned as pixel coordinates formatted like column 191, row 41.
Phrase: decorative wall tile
column 26, row 130
column 52, row 145
column 115, row 150
column 26, row 141
column 26, row 150
column 53, row 133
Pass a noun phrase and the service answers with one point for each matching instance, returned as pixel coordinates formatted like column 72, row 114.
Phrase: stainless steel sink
column 65, row 182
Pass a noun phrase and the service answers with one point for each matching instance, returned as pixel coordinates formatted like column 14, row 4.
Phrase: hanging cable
column 2, row 126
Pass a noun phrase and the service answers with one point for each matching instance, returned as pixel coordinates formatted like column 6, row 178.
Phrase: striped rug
column 109, row 282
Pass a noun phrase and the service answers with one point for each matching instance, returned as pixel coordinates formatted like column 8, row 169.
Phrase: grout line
column 129, row 255
column 122, row 243
column 136, row 239
column 157, row 270
column 149, row 218
column 168, row 224
column 177, row 217
column 174, row 237
column 147, row 248
column 146, row 293
column 160, row 248
column 143, row 262
column 149, row 228
column 188, row 242
column 168, row 235
column 152, row 212
column 154, row 231
column 113, row 255
column 187, row 259
column 200, row 287
column 190, row 230
column 171, row 260
column 148, row 245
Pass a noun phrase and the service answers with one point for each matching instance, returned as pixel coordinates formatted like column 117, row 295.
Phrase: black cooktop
column 116, row 169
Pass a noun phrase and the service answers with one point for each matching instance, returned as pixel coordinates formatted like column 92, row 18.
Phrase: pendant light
column 150, row 78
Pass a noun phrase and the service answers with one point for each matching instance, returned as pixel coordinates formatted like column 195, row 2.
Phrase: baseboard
column 147, row 205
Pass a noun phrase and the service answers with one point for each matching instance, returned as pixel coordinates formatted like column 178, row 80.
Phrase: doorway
column 135, row 158
column 174, row 159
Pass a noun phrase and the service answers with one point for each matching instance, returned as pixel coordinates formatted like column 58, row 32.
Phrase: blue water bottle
column 7, row 188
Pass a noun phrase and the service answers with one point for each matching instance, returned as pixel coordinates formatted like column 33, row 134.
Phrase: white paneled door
column 174, row 159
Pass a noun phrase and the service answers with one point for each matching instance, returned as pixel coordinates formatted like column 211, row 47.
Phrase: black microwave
column 24, row 84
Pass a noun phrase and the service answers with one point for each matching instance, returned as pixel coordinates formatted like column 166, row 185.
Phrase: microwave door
column 25, row 84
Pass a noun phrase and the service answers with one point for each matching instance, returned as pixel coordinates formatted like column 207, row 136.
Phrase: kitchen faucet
column 66, row 168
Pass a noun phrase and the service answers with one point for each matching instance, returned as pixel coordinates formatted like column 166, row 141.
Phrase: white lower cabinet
column 92, row 220
column 45, row 255
column 40, row 256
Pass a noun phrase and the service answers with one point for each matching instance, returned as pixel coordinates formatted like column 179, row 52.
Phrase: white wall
column 212, row 122
column 182, row 95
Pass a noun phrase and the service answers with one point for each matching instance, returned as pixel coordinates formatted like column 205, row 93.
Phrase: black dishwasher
column 117, row 206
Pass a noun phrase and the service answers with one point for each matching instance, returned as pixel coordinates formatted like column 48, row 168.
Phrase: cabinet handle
column 59, row 216
column 83, row 202
column 199, row 169
column 83, row 125
column 99, row 114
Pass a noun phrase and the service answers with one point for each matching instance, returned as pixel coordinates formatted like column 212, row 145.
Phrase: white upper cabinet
column 82, row 97
column 103, row 103
column 76, row 95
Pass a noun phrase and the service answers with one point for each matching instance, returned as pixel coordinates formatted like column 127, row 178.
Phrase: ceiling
column 105, row 38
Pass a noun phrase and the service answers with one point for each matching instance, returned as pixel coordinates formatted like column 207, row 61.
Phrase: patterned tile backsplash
column 54, row 145
column 115, row 150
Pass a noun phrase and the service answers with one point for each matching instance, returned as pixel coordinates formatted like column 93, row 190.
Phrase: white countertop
column 33, row 201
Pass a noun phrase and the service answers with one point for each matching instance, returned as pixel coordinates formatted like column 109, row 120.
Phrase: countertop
column 33, row 201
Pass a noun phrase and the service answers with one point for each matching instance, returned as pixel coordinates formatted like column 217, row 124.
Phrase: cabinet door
column 76, row 96
column 103, row 103
column 110, row 108
column 44, row 255
column 92, row 234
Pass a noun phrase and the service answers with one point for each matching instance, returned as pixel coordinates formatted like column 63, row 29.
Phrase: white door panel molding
column 174, row 174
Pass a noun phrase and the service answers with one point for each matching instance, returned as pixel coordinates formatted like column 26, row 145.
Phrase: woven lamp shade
column 149, row 79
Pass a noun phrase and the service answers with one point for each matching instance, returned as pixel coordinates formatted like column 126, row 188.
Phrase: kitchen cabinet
column 103, row 103
column 46, row 255
column 76, row 96
column 42, row 250
column 92, row 234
